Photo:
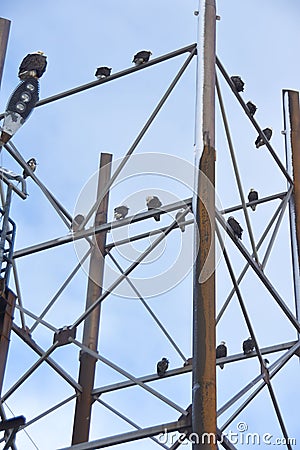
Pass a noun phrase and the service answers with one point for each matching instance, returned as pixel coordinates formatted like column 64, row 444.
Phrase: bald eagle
column 235, row 226
column 259, row 140
column 162, row 367
column 120, row 212
column 248, row 346
column 141, row 57
column 238, row 83
column 252, row 197
column 31, row 163
column 251, row 107
column 33, row 65
column 153, row 202
column 221, row 352
column 102, row 72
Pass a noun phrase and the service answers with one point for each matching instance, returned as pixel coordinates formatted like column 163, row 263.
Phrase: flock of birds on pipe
column 248, row 347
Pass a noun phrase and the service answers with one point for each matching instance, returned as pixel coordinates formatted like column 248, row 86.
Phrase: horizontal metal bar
column 120, row 223
column 144, row 379
column 105, row 227
column 112, row 77
column 254, row 123
column 188, row 368
column 111, row 245
column 256, row 202
column 264, row 351
column 131, row 436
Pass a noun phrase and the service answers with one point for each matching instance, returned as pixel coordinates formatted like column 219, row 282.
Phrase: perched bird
column 120, row 212
column 188, row 362
column 102, row 72
column 221, row 352
column 162, row 367
column 259, row 140
column 238, row 83
column 253, row 196
column 153, row 202
column 33, row 65
column 181, row 220
column 141, row 57
column 251, row 107
column 248, row 346
column 77, row 221
column 31, row 163
column 235, row 226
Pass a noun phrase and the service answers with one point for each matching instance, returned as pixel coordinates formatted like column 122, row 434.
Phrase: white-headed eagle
column 31, row 163
column 33, row 65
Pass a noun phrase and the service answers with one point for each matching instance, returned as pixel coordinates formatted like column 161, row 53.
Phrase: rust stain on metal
column 294, row 111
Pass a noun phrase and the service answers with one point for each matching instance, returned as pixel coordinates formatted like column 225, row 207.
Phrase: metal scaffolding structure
column 199, row 420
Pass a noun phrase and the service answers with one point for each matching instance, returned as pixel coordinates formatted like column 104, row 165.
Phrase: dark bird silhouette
column 120, row 212
column 221, row 352
column 33, row 65
column 248, row 346
column 77, row 221
column 238, row 83
column 259, row 140
column 102, row 72
column 235, row 226
column 252, row 197
column 180, row 221
column 141, row 57
column 162, row 367
column 31, row 163
column 153, row 202
column 251, row 107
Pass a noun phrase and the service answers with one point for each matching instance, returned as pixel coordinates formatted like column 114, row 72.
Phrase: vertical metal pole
column 82, row 418
column 204, row 341
column 292, row 130
column 4, row 32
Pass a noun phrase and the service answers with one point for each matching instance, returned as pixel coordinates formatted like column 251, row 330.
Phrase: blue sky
column 256, row 40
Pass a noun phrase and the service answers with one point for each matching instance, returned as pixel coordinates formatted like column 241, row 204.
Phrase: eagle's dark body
column 248, row 346
column 33, row 65
column 162, row 367
column 252, row 197
column 238, row 83
column 221, row 352
column 153, row 202
column 259, row 141
column 235, row 226
column 120, row 212
column 141, row 57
